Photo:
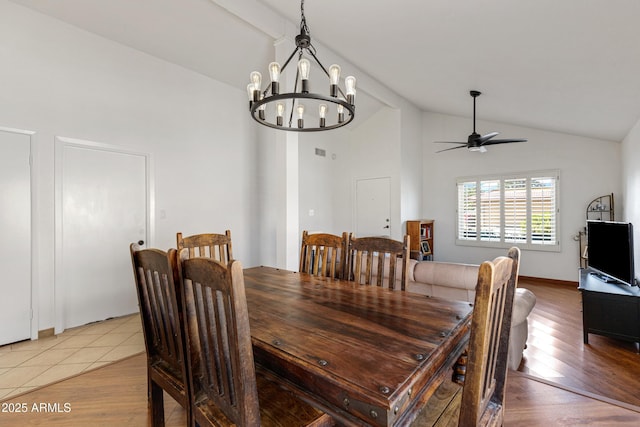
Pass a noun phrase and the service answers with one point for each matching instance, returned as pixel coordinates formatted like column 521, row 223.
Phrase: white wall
column 631, row 187
column 370, row 149
column 269, row 194
column 411, row 168
column 387, row 144
column 375, row 150
column 61, row 81
column 324, row 182
column 588, row 168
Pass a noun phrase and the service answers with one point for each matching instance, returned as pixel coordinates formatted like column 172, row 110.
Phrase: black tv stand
column 610, row 309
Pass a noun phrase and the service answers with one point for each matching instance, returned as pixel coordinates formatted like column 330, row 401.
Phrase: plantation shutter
column 543, row 211
column 515, row 210
column 467, row 211
column 490, row 210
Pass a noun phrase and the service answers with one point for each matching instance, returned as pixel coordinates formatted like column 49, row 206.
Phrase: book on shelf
column 425, row 248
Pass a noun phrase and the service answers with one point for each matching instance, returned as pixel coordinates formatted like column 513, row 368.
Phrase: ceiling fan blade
column 503, row 141
column 452, row 148
column 449, row 142
column 486, row 137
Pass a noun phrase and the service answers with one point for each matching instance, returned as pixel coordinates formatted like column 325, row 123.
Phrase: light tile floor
column 30, row 364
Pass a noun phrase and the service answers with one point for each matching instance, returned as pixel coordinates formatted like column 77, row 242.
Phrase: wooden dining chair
column 216, row 246
column 227, row 387
column 323, row 254
column 156, row 279
column 376, row 261
column 481, row 402
column 483, row 391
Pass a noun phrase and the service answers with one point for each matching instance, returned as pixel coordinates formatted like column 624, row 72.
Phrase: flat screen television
column 610, row 250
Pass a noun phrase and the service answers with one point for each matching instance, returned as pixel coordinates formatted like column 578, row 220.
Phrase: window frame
column 475, row 238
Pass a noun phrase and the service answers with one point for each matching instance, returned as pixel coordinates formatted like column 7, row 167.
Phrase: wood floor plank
column 546, row 405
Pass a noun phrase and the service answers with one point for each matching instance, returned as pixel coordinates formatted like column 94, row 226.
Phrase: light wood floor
column 593, row 378
column 534, row 402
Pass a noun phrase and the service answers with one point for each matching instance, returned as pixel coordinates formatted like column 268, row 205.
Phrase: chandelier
column 269, row 106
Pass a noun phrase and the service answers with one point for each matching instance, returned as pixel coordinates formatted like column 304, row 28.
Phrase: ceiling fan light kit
column 475, row 141
column 269, row 106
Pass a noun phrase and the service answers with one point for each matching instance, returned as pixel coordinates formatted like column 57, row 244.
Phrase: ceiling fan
column 476, row 142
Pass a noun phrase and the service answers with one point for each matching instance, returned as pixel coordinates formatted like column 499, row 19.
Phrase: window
column 502, row 211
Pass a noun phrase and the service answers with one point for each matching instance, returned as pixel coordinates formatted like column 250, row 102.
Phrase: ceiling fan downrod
column 474, row 94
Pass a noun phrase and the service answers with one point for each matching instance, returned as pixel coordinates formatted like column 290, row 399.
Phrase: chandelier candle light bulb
column 250, row 88
column 350, row 85
column 279, row 113
column 322, row 111
column 340, row 109
column 304, row 67
column 334, row 78
column 274, row 72
column 300, row 110
column 256, row 79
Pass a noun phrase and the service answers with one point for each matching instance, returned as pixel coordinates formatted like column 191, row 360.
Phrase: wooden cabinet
column 609, row 309
column 421, row 239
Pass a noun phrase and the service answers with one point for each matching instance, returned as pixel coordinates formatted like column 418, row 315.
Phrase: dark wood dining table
column 368, row 356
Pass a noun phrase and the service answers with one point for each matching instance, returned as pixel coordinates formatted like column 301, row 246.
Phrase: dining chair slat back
column 160, row 301
column 209, row 245
column 482, row 402
column 226, row 389
column 323, row 254
column 376, row 261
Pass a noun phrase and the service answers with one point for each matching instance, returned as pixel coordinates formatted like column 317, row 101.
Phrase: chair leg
column 156, row 404
column 190, row 419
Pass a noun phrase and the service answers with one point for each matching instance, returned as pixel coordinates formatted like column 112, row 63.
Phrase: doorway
column 373, row 207
column 103, row 204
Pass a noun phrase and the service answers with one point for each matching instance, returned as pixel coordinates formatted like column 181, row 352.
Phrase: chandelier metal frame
column 259, row 99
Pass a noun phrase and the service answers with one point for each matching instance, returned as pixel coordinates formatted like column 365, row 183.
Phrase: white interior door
column 373, row 207
column 103, row 204
column 15, row 229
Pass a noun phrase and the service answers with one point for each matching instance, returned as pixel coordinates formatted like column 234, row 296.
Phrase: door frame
column 34, row 228
column 61, row 143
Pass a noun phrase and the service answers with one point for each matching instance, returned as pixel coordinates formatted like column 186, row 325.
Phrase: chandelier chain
column 304, row 29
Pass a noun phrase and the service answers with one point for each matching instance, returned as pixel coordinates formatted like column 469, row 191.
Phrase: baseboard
column 544, row 281
column 46, row 333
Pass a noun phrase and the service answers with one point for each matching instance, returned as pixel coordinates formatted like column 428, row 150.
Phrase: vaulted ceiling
column 570, row 66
